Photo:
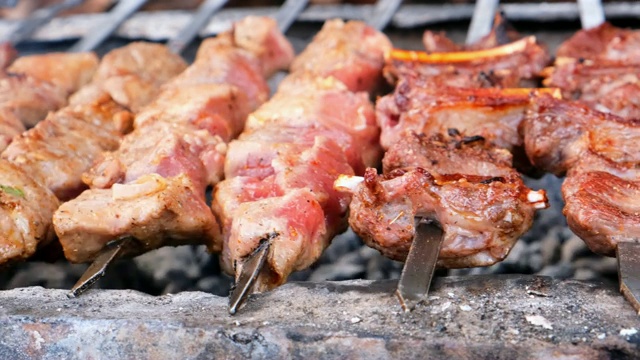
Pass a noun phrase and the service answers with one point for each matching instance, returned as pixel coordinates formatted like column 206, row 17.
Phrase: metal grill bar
column 591, row 13
column 117, row 16
column 37, row 19
column 144, row 24
column 289, row 12
column 383, row 13
column 482, row 19
column 199, row 20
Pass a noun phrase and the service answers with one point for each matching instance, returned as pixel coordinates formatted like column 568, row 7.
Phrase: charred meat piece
column 26, row 208
column 153, row 187
column 510, row 65
column 494, row 114
column 279, row 175
column 557, row 133
column 604, row 42
column 597, row 151
column 610, row 87
column 483, row 206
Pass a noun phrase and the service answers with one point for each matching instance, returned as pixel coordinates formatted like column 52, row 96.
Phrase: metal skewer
column 591, row 13
column 37, row 19
column 628, row 254
column 420, row 265
column 482, row 20
column 99, row 266
column 250, row 268
column 110, row 253
column 118, row 15
column 289, row 12
column 198, row 21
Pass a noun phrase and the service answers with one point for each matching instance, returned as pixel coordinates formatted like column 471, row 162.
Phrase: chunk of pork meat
column 482, row 215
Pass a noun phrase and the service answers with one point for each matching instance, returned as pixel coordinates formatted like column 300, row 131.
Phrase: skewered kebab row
column 279, row 174
column 37, row 84
column 458, row 173
column 597, row 152
column 55, row 153
column 161, row 170
column 465, row 184
column 59, row 149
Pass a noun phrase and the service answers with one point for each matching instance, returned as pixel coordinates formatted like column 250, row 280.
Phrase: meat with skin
column 482, row 205
column 606, row 86
column 26, row 208
column 38, row 84
column 331, row 54
column 69, row 71
column 557, row 133
column 176, row 150
column 510, row 65
column 59, row 149
column 132, row 75
column 494, row 114
column 597, row 151
column 603, row 42
column 279, row 174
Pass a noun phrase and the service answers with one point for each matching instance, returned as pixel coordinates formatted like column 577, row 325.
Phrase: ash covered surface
column 474, row 317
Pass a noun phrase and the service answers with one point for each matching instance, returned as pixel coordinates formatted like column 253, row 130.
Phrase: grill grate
column 44, row 27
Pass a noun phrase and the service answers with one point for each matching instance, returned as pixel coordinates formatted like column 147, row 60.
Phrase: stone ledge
column 474, row 317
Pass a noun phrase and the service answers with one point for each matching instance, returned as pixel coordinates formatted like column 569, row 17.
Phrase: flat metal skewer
column 98, row 267
column 289, row 12
column 198, row 21
column 482, row 20
column 383, row 13
column 121, row 12
column 628, row 254
column 249, row 269
column 37, row 19
column 591, row 13
column 414, row 283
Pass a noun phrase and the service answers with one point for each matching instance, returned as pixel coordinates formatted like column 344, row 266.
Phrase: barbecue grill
column 492, row 314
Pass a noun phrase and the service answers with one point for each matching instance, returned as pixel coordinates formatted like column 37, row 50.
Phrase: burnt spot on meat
column 495, row 178
column 472, row 139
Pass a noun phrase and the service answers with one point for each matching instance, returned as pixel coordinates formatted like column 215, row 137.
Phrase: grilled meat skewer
column 465, row 184
column 279, row 173
column 152, row 188
column 56, row 152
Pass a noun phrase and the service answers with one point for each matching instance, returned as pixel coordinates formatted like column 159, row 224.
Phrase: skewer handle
column 383, row 13
column 289, row 12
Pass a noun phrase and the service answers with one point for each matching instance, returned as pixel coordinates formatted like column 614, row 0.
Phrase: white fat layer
column 536, row 196
column 347, row 182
